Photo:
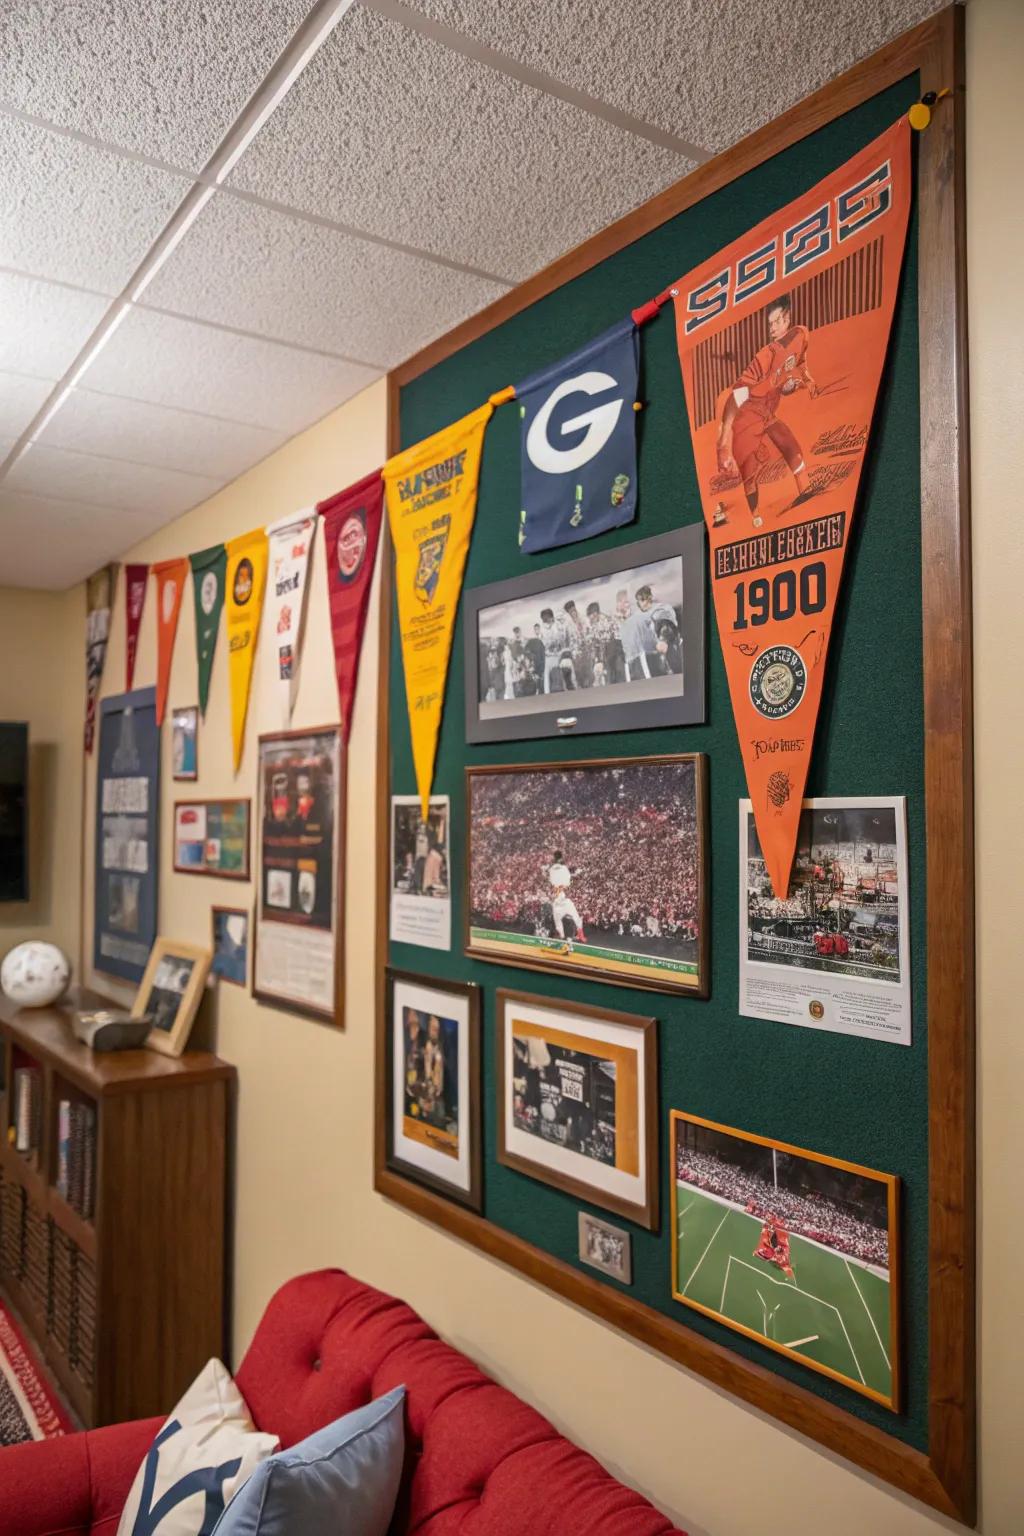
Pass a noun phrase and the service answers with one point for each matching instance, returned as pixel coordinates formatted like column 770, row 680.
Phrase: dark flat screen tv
column 13, row 811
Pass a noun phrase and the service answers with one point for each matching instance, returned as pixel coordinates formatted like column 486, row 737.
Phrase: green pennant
column 209, row 568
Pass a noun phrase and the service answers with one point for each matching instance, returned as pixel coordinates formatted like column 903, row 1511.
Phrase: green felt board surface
column 856, row 1099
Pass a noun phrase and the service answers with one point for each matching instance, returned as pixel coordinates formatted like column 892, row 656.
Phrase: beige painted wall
column 42, row 680
column 305, row 1194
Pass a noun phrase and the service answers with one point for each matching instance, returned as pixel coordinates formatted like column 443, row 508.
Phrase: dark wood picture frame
column 245, row 912
column 334, row 1015
column 473, row 1197
column 646, row 1214
column 685, row 544
column 945, row 1475
column 892, row 1184
column 218, row 874
column 577, row 967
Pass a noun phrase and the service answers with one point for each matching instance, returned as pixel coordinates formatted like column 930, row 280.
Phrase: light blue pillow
column 343, row 1478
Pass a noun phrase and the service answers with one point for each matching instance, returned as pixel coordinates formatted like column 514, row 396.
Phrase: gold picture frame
column 815, row 1291
column 174, row 971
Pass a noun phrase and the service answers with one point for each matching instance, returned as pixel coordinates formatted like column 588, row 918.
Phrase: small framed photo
column 211, row 837
column 170, row 990
column 421, row 904
column 595, row 869
column 578, row 1101
column 794, row 1249
column 605, row 1247
column 616, row 643
column 230, row 936
column 185, row 743
column 431, row 1085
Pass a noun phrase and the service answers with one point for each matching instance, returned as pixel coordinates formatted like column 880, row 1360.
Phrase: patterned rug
column 29, row 1407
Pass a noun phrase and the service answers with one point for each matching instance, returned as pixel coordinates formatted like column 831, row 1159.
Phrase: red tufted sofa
column 479, row 1461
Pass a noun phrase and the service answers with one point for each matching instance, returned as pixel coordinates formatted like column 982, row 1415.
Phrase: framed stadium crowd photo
column 595, row 869
column 612, row 642
column 431, row 1087
column 796, row 1250
column 577, row 1091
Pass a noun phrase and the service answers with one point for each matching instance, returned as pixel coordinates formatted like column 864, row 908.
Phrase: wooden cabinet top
column 45, row 1033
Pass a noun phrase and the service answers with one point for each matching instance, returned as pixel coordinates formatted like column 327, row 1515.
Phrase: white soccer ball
column 35, row 974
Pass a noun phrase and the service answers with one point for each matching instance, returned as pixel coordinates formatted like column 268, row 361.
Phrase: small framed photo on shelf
column 211, row 837
column 605, row 1247
column 429, row 1094
column 185, row 744
column 612, row 642
column 789, row 1247
column 594, row 869
column 170, row 991
column 578, row 1101
column 230, row 939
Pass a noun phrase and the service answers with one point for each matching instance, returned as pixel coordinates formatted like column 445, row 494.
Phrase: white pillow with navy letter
column 206, row 1450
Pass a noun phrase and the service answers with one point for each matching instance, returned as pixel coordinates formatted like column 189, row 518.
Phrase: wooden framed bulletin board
column 896, row 719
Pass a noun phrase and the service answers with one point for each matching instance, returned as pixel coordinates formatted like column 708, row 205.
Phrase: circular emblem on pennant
column 778, row 679
column 208, row 592
column 351, row 547
column 243, row 582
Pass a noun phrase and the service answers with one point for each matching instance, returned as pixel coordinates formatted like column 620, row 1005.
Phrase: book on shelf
column 81, row 1158
column 63, row 1145
column 27, row 1102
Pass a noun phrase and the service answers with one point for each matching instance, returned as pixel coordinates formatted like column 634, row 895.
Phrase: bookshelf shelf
column 128, row 1303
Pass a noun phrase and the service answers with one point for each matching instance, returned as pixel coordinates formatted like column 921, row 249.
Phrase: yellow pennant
column 431, row 496
column 246, row 581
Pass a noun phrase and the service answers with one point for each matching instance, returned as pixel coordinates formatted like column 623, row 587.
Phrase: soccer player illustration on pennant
column 749, row 426
column 562, row 904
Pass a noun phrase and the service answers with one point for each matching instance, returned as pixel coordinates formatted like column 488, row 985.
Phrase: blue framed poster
column 127, row 834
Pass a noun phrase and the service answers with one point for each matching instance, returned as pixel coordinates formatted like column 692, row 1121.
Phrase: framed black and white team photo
column 612, row 642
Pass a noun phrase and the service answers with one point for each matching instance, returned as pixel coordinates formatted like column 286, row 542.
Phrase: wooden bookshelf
column 127, row 1305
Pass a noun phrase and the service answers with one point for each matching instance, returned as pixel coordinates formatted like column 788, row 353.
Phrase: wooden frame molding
column 944, row 1476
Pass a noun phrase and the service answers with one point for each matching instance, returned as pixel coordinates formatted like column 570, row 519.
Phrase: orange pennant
column 170, row 584
column 782, row 337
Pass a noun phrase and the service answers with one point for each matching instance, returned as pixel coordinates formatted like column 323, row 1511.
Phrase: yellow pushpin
column 920, row 114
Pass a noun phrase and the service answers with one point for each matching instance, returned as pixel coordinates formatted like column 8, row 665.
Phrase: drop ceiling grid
column 432, row 153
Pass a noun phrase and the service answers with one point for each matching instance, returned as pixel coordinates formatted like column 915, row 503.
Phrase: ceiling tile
column 20, row 399
column 196, row 367
column 57, row 472
column 77, row 213
column 415, row 143
column 44, row 326
column 166, row 80
column 246, row 265
column 156, row 435
column 682, row 67
column 50, row 543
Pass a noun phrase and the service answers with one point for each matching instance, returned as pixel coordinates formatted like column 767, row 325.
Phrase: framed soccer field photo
column 595, row 869
column 578, row 1101
column 429, row 1097
column 793, row 1249
column 612, row 642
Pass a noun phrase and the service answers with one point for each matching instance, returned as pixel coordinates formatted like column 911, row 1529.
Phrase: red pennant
column 136, row 579
column 782, row 337
column 351, row 532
